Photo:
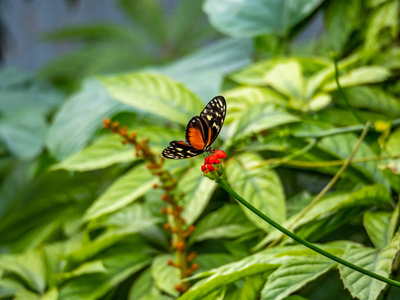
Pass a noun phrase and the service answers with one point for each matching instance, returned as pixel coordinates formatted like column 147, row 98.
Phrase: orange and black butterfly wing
column 197, row 133
column 214, row 115
column 180, row 150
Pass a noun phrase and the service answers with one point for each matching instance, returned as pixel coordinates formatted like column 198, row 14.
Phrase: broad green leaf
column 213, row 260
column 392, row 145
column 383, row 24
column 377, row 261
column 240, row 99
column 227, row 274
column 122, row 192
column 256, row 73
column 197, row 191
column 319, row 101
column 102, row 153
column 87, row 109
column 264, row 191
column 24, row 133
column 91, row 267
column 262, row 262
column 144, row 288
column 29, row 266
column 121, row 262
column 10, row 287
column 253, row 286
column 165, row 277
column 131, row 216
column 226, row 222
column 373, row 99
column 344, row 15
column 39, row 101
column 330, row 205
column 253, row 18
column 204, row 70
column 154, row 94
column 261, row 117
column 359, row 76
column 376, row 224
column 287, row 78
column 294, row 274
column 342, row 145
column 109, row 150
column 110, row 237
column 11, row 77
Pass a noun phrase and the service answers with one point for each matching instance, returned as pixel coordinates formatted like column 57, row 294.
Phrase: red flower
column 220, row 154
column 212, row 161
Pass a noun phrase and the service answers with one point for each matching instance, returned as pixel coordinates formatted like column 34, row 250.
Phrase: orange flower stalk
column 168, row 183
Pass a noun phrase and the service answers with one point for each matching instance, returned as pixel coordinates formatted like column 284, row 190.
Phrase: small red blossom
column 220, row 154
column 203, row 168
column 212, row 159
column 210, row 168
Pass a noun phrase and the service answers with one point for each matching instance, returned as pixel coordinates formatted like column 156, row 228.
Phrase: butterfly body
column 201, row 132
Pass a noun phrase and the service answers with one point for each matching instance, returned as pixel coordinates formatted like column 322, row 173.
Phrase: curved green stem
column 226, row 187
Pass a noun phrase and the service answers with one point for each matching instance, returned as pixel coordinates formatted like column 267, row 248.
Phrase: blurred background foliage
column 78, row 216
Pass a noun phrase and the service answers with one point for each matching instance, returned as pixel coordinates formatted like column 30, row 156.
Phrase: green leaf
column 253, row 18
column 257, row 73
column 90, row 267
column 359, row 76
column 165, row 277
column 343, row 15
column 29, row 266
column 392, row 145
column 110, row 237
column 122, row 192
column 341, row 145
column 264, row 191
column 24, row 133
column 203, row 71
column 373, row 99
column 154, row 94
column 213, row 260
column 87, row 109
column 240, row 99
column 382, row 27
column 108, row 150
column 227, row 274
column 40, row 101
column 294, row 274
column 377, row 261
column 253, row 286
column 197, row 191
column 104, row 152
column 260, row 117
column 121, row 262
column 332, row 204
column 226, row 222
column 262, row 262
column 376, row 224
column 144, row 288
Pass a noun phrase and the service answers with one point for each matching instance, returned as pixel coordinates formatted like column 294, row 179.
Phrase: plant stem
column 331, row 163
column 341, row 91
column 330, row 183
column 226, row 187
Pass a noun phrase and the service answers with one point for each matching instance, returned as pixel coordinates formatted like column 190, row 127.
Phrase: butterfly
column 201, row 132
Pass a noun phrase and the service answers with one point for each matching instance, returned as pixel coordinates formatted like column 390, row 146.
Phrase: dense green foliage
column 80, row 219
